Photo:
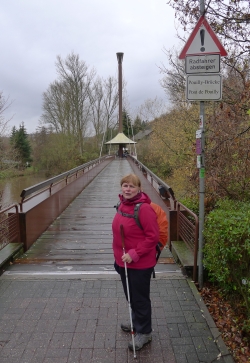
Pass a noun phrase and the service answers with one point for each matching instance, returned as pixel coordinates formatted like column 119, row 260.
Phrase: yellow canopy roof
column 120, row 139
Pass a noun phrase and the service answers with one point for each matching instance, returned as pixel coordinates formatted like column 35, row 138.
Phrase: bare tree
column 97, row 108
column 111, row 98
column 7, row 155
column 104, row 105
column 56, row 108
column 67, row 102
column 152, row 109
column 5, row 103
column 174, row 79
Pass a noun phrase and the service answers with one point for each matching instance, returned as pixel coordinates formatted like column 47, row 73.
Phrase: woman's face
column 129, row 190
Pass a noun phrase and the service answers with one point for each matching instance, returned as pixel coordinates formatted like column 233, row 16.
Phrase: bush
column 227, row 248
column 192, row 204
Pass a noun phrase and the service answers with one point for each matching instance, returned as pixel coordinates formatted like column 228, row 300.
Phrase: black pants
column 139, row 290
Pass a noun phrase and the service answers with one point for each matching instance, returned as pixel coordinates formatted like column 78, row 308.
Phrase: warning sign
column 202, row 41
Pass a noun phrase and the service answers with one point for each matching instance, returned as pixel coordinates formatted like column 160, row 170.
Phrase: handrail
column 28, row 191
column 187, row 221
column 163, row 187
column 12, row 206
column 9, row 225
column 188, row 230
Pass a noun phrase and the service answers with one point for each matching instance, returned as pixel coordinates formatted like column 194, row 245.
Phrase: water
column 13, row 187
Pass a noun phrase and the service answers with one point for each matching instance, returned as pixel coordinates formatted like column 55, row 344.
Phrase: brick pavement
column 77, row 320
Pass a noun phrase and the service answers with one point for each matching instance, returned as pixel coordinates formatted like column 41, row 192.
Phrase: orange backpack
column 162, row 223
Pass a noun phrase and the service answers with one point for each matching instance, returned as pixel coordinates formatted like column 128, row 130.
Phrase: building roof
column 141, row 134
column 120, row 139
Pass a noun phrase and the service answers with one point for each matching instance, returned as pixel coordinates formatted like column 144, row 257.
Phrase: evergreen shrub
column 192, row 204
column 227, row 248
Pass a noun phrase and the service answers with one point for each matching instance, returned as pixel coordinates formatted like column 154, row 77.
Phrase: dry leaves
column 229, row 320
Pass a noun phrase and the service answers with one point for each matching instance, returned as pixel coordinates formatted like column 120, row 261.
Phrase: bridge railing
column 188, row 231
column 42, row 203
column 183, row 223
column 163, row 189
column 9, row 226
column 56, row 183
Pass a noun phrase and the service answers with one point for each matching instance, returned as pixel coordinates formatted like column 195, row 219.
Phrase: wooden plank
column 9, row 251
column 183, row 254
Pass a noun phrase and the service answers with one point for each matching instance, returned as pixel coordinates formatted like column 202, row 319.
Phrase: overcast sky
column 34, row 32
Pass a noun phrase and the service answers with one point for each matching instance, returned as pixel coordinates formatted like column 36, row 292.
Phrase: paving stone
column 56, row 360
column 74, row 355
column 83, row 340
column 27, row 356
column 38, row 343
column 94, row 335
column 194, row 358
column 61, row 340
column 86, row 356
column 64, row 326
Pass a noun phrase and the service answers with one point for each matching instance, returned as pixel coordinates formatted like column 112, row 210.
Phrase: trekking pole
column 129, row 304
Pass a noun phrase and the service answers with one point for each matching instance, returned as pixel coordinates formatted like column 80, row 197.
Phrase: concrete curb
column 225, row 354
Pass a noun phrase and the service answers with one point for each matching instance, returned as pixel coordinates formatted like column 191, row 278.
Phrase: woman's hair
column 131, row 178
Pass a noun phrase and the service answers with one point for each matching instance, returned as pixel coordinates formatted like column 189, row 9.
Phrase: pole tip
column 119, row 57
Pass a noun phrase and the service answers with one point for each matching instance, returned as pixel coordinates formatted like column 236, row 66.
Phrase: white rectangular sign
column 198, row 134
column 209, row 63
column 204, row 87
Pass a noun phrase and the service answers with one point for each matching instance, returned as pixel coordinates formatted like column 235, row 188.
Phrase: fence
column 163, row 189
column 184, row 223
column 9, row 226
column 188, row 231
column 52, row 185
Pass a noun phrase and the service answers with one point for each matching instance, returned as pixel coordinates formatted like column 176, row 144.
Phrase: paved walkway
column 70, row 312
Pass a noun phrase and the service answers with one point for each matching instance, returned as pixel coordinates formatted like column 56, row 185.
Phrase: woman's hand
column 127, row 258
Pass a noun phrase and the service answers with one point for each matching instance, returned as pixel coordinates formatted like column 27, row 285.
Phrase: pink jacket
column 140, row 244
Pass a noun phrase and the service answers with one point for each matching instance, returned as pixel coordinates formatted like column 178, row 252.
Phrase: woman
column 140, row 255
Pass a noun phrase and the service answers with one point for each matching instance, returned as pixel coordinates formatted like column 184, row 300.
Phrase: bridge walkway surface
column 62, row 301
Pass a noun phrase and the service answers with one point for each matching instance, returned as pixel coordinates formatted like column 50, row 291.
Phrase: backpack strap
column 158, row 250
column 135, row 215
column 126, row 214
column 158, row 253
column 117, row 206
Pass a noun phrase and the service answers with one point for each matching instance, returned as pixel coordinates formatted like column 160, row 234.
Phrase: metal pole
column 201, row 194
column 202, row 7
column 202, row 181
column 120, row 58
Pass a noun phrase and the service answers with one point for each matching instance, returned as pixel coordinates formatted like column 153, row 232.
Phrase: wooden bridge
column 78, row 239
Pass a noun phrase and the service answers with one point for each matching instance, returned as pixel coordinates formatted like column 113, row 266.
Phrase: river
column 13, row 187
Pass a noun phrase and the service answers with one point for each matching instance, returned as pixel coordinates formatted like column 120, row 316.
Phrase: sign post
column 204, row 83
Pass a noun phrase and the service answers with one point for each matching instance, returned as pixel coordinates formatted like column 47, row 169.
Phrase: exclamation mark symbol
column 202, row 35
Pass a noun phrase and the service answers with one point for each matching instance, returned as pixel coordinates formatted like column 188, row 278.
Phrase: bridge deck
column 80, row 240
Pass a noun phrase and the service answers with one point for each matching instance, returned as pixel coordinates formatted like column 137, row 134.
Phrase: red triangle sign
column 202, row 40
